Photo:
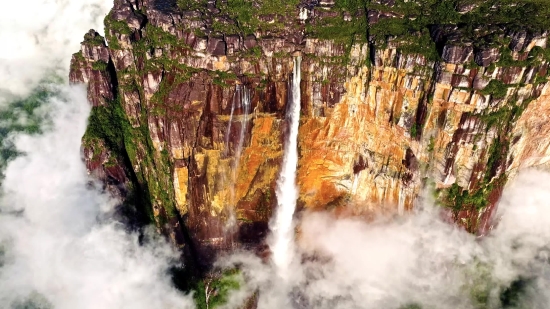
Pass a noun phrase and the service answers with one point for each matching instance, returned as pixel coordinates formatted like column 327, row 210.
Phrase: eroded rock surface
column 380, row 122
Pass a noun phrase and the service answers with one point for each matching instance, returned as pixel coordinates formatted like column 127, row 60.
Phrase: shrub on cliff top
column 482, row 22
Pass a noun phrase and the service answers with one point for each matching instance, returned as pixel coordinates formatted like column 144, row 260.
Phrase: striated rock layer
column 379, row 124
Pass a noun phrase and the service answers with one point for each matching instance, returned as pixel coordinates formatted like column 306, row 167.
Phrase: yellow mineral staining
column 258, row 168
column 259, row 163
column 328, row 149
column 177, row 152
column 221, row 64
column 181, row 178
column 354, row 154
column 214, row 166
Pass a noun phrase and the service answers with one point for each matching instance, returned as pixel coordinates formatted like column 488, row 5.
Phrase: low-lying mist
column 59, row 247
column 57, row 252
column 416, row 260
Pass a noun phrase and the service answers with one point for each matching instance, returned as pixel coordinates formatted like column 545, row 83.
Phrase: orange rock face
column 377, row 127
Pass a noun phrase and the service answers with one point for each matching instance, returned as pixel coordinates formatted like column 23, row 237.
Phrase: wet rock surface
column 378, row 121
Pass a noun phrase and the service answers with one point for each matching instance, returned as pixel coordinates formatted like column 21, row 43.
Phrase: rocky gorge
column 189, row 102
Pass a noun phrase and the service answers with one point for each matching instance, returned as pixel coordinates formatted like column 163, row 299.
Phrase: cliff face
column 189, row 103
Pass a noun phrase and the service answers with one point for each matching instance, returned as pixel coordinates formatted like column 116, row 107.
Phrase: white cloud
column 55, row 245
column 38, row 38
column 414, row 259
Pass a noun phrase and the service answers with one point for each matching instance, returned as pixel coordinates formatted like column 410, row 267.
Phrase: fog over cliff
column 60, row 248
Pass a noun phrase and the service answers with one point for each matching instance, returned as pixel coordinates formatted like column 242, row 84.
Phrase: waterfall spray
column 245, row 104
column 282, row 227
column 243, row 93
column 228, row 134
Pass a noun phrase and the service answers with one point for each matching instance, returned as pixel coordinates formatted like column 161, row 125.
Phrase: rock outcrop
column 380, row 122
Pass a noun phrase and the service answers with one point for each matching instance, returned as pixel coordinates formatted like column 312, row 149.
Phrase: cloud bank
column 53, row 242
column 55, row 251
column 38, row 38
column 415, row 261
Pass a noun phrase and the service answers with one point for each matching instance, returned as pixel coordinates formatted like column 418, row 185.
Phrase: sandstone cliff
column 189, row 102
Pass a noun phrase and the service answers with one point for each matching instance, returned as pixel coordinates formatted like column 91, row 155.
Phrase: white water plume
column 281, row 240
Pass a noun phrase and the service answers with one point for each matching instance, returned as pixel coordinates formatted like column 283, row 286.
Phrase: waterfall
column 243, row 93
column 282, row 227
column 228, row 134
column 245, row 104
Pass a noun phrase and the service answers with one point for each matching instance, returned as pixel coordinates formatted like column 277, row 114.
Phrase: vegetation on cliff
column 414, row 25
column 407, row 67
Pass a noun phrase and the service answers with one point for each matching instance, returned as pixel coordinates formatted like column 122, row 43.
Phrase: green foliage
column 114, row 26
column 351, row 6
column 390, row 27
column 534, row 58
column 443, row 12
column 255, row 51
column 412, row 32
column 191, row 5
column 496, row 118
column 497, row 152
column 339, row 30
column 105, row 123
column 513, row 13
column 78, row 56
column 22, row 116
column 457, row 198
column 414, row 130
column 95, row 40
column 117, row 26
column 99, row 65
column 132, row 145
column 220, row 78
column 483, row 25
column 420, row 43
column 157, row 37
column 214, row 292
column 246, row 15
column 496, row 89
